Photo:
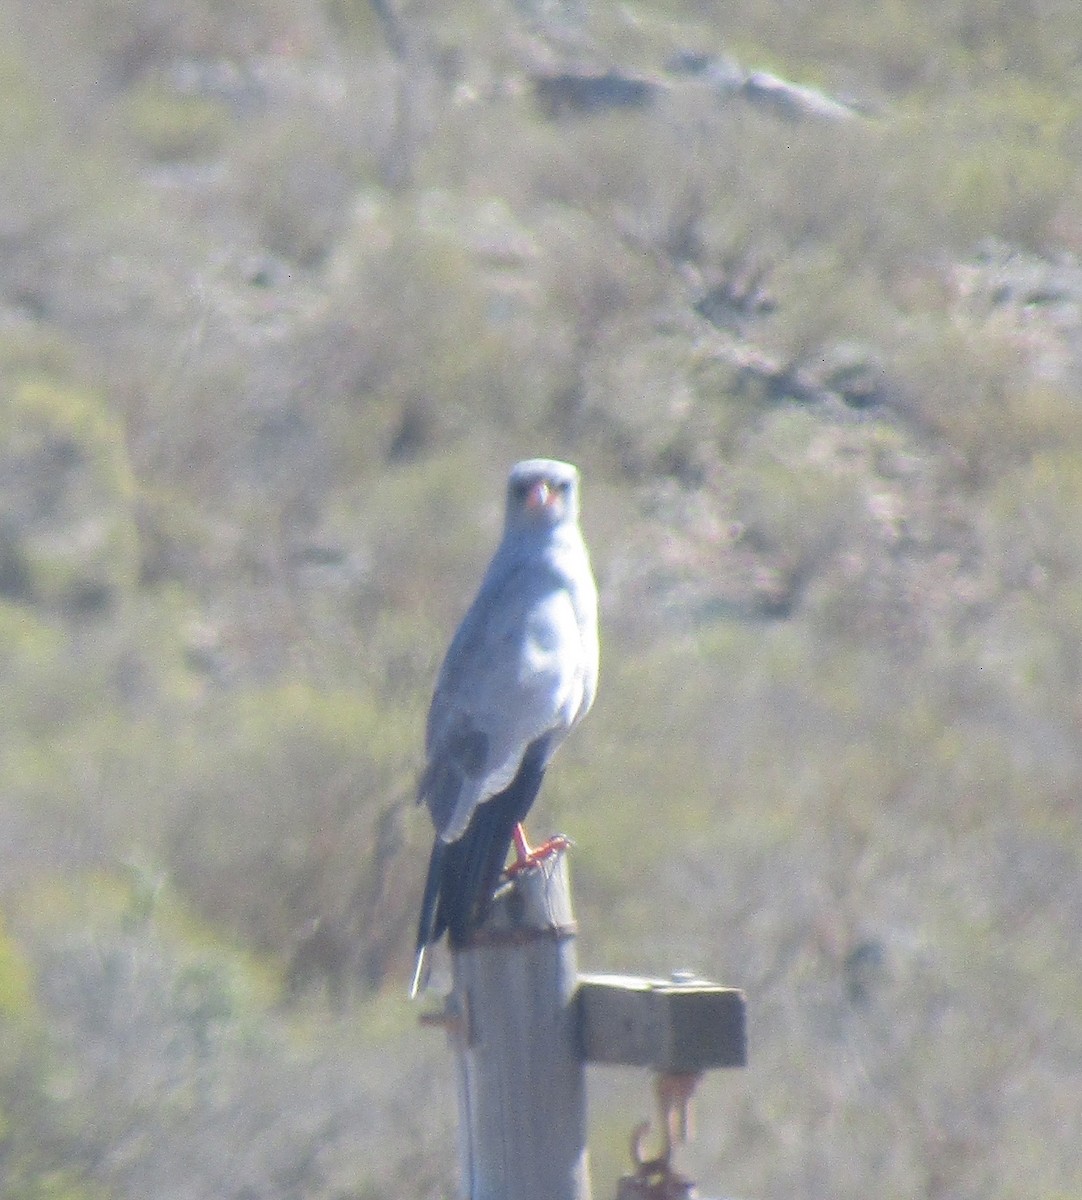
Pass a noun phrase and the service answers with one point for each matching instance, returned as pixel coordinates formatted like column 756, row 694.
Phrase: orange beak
column 540, row 495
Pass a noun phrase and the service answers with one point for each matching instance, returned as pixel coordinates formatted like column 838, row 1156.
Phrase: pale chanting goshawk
column 520, row 673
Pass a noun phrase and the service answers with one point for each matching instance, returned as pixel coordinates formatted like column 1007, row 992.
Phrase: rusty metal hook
column 674, row 1092
column 648, row 1166
column 655, row 1178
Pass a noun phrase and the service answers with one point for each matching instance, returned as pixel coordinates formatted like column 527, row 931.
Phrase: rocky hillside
column 284, row 289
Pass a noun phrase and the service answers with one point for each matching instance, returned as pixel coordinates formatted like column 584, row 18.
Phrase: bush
column 69, row 535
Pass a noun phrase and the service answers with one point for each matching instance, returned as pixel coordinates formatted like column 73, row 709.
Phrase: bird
column 518, row 676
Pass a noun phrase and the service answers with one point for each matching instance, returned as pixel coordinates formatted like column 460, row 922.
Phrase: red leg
column 522, row 846
column 525, row 857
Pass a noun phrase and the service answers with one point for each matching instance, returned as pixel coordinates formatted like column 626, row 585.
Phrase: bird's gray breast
column 514, row 673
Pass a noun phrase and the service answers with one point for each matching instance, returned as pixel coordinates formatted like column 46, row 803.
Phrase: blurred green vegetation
column 172, row 128
column 284, row 289
column 81, row 546
column 16, row 994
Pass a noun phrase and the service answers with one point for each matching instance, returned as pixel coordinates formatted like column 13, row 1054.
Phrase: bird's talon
column 539, row 854
column 556, row 844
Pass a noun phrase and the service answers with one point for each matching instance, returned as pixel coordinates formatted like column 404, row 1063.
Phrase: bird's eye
column 564, row 486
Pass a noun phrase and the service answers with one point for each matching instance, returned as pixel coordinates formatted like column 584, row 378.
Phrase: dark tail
column 427, row 931
column 472, row 869
column 462, row 875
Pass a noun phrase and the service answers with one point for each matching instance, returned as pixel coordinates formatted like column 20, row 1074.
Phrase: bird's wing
column 516, row 670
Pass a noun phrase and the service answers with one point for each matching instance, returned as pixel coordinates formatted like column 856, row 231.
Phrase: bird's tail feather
column 475, row 861
column 420, row 973
column 428, row 927
column 472, row 871
column 462, row 875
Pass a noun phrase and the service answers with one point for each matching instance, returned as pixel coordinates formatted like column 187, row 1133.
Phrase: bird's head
column 542, row 493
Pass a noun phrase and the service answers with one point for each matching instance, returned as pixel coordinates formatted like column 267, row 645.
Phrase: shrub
column 69, row 529
column 168, row 126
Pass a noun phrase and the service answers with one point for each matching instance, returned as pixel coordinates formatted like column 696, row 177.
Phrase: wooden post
column 522, row 1108
column 523, row 1024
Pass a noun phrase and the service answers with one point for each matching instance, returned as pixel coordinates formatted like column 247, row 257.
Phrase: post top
column 534, row 903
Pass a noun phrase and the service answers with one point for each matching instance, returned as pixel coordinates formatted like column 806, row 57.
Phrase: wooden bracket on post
column 678, row 1026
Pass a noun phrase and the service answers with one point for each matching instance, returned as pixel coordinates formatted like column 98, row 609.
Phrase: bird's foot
column 527, row 858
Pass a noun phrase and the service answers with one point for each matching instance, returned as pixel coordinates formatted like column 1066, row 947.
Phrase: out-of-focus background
column 285, row 286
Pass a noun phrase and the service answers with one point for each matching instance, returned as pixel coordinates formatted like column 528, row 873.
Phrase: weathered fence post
column 523, row 1024
column 522, row 1108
